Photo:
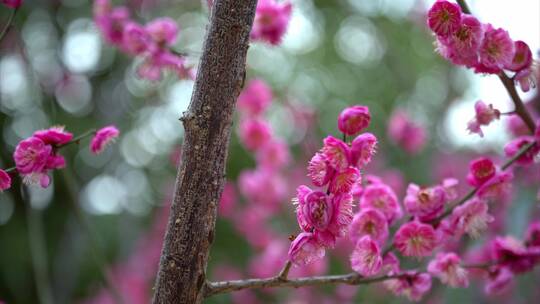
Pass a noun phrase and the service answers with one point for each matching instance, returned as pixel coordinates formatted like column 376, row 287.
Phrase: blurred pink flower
column 471, row 218
column 366, row 257
column 513, row 147
column 498, row 281
column 5, row 180
column 410, row 284
column 497, row 187
column 370, row 222
column 271, row 21
column 55, row 136
column 103, row 137
column 163, row 31
column 254, row 133
column 136, row 39
column 255, row 98
column 425, row 203
column 381, row 197
column 406, row 133
column 12, row 3
column 273, row 155
column 446, row 266
column 484, row 116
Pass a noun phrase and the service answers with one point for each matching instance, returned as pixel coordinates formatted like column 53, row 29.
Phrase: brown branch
column 213, row 288
column 8, row 24
column 200, row 178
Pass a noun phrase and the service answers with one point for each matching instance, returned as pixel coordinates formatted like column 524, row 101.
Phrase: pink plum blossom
column 450, row 186
column 415, row 239
column 319, row 170
column 55, row 136
column 410, row 284
column 273, row 155
column 425, row 203
column 522, row 57
column 471, row 218
column 111, row 23
column 381, row 197
column 513, row 253
column 498, row 186
column 484, row 116
column 497, row 48
column 271, row 21
column 369, row 222
column 336, row 153
column 446, row 266
column 462, row 47
column 366, row 257
column 31, row 156
column 526, row 79
column 163, row 31
column 136, row 39
column 153, row 65
column 5, row 180
column 498, row 280
column 263, row 187
column 532, row 236
column 444, row 18
column 513, row 147
column 406, row 133
column 305, row 249
column 353, row 119
column 255, row 98
column 344, row 181
column 254, row 133
column 480, row 171
column 103, row 137
column 362, row 149
column 317, row 210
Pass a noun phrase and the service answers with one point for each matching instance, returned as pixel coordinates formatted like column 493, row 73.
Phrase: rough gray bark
column 200, row 178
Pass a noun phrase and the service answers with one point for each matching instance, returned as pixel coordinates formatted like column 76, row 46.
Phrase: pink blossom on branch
column 471, row 218
column 446, row 266
column 369, row 222
column 406, row 133
column 305, row 249
column 319, row 170
column 336, row 152
column 425, row 203
column 382, row 198
column 163, row 31
column 31, row 157
column 498, row 280
column 513, row 147
column 480, row 171
column 444, row 18
column 484, row 115
column 344, row 181
column 366, row 257
column 497, row 49
column 522, row 57
column 410, row 284
column 362, row 149
column 416, row 239
column 103, row 137
column 5, row 180
column 55, row 136
column 462, row 47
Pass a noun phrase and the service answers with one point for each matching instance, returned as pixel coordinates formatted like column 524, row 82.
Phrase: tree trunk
column 201, row 175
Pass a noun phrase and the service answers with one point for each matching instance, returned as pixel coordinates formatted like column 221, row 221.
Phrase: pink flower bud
column 103, row 137
column 5, row 180
column 354, row 119
column 444, row 18
column 446, row 266
column 366, row 257
column 415, row 239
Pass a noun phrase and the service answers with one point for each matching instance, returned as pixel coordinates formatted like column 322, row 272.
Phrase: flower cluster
column 38, row 154
column 152, row 42
column 324, row 216
column 464, row 40
column 271, row 21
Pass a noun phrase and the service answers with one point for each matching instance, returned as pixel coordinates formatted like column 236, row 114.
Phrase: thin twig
column 213, row 288
column 8, row 24
column 285, row 271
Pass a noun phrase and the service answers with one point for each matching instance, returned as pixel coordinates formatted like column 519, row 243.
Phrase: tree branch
column 200, row 178
column 8, row 24
column 213, row 288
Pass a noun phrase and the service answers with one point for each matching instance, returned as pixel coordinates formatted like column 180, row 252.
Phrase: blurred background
column 111, row 210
